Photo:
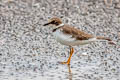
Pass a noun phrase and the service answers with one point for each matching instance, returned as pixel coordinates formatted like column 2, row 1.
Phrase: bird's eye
column 53, row 22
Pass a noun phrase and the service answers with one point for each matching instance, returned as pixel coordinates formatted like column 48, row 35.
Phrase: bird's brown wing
column 76, row 33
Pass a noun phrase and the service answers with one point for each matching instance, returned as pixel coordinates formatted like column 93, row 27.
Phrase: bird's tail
column 105, row 38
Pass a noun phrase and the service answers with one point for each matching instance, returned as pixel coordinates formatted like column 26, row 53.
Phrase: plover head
column 54, row 22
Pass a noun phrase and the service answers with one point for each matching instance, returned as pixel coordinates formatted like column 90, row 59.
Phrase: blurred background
column 28, row 50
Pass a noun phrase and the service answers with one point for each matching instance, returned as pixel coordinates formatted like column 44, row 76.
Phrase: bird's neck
column 60, row 25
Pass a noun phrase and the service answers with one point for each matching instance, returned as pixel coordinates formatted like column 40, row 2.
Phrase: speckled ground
column 28, row 50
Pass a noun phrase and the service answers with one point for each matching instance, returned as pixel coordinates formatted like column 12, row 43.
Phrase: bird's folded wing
column 76, row 33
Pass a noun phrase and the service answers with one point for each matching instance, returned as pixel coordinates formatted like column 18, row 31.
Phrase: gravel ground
column 28, row 50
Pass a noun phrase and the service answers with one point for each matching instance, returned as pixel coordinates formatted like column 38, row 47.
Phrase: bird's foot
column 68, row 63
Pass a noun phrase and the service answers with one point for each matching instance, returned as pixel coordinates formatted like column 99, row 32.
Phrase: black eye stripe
column 53, row 22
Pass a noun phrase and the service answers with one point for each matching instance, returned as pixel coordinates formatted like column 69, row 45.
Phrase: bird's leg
column 68, row 61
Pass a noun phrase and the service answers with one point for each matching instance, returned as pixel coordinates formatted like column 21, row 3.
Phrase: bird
column 70, row 36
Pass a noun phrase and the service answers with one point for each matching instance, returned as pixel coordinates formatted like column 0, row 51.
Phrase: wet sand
column 28, row 50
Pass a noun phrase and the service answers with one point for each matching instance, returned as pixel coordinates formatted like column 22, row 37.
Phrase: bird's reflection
column 70, row 73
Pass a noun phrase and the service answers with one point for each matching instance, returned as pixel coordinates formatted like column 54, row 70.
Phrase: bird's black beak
column 46, row 24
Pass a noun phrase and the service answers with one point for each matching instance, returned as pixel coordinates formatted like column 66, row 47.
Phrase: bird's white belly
column 68, row 40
